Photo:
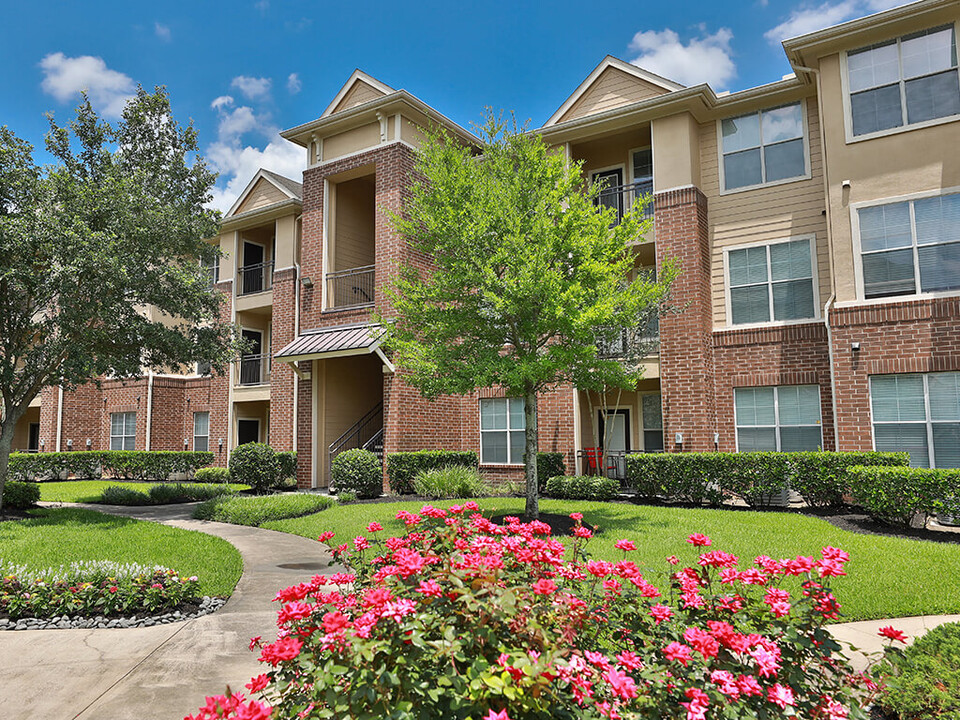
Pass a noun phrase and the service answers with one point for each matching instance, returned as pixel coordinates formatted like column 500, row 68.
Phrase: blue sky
column 244, row 69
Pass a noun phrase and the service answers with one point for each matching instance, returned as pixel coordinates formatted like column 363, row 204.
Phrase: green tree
column 527, row 282
column 101, row 256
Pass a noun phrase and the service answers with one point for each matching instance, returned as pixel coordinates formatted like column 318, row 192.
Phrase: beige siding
column 611, row 150
column 262, row 194
column 411, row 133
column 764, row 214
column 351, row 141
column 355, row 224
column 352, row 387
column 612, row 89
column 360, row 93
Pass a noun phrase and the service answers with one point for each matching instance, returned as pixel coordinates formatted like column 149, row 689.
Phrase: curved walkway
column 162, row 671
column 165, row 672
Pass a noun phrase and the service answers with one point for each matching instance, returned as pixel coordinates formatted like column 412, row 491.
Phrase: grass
column 888, row 577
column 88, row 491
column 259, row 510
column 59, row 536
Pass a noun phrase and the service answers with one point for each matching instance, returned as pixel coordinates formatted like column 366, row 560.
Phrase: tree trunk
column 7, row 429
column 531, row 436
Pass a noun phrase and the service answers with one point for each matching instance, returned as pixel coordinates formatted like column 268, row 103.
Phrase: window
column 772, row 282
column 910, row 247
column 502, row 425
column 919, row 414
column 201, row 431
column 123, row 431
column 785, row 418
column 643, row 178
column 213, row 269
column 652, row 423
column 763, row 147
column 204, row 368
column 611, row 192
column 902, row 82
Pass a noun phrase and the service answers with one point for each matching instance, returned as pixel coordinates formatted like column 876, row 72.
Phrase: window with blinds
column 772, row 282
column 910, row 247
column 643, row 178
column 918, row 414
column 905, row 81
column 123, row 431
column 652, row 411
column 784, row 418
column 201, row 431
column 502, row 436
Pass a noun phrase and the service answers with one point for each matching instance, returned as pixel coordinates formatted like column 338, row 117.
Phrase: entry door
column 252, row 268
column 251, row 363
column 33, row 437
column 611, row 193
column 615, row 440
column 248, row 431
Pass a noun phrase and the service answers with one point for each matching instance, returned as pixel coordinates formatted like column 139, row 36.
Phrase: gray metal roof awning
column 335, row 342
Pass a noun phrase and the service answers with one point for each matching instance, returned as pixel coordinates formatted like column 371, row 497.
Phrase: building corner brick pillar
column 281, row 374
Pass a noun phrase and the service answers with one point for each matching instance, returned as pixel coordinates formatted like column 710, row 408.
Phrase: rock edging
column 66, row 622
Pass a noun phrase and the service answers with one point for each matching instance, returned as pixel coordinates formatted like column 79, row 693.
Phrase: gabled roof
column 289, row 189
column 644, row 82
column 360, row 88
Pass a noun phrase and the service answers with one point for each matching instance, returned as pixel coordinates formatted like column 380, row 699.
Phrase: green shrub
column 255, row 511
column 256, row 465
column 549, row 464
column 403, row 467
column 180, row 493
column 119, row 495
column 923, row 682
column 676, row 477
column 583, row 487
column 345, row 498
column 897, row 494
column 288, row 464
column 212, row 475
column 358, row 471
column 31, row 467
column 20, row 495
column 453, row 481
column 153, row 465
column 821, row 477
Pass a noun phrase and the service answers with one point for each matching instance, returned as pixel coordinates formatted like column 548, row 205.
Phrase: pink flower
column 399, row 608
column 698, row 540
column 576, row 516
column 335, row 621
column 625, row 545
column 749, row 686
column 767, row 661
column 673, row 560
column 582, row 532
column 890, row 632
column 661, row 613
column 282, row 650
column 361, row 543
column 491, row 715
column 702, row 641
column 374, row 527
column 679, row 652
column 258, row 683
column 430, row 588
column 622, row 684
column 780, row 695
column 324, row 536
column 699, row 702
column 836, row 711
column 630, row 660
column 544, row 586
column 832, row 553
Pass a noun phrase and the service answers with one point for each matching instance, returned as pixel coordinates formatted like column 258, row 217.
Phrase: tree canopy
column 102, row 253
column 524, row 282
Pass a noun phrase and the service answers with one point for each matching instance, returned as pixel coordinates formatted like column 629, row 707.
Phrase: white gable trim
column 611, row 62
column 261, row 174
column 358, row 75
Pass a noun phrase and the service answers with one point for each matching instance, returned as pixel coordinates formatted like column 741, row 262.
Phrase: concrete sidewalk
column 863, row 637
column 162, row 672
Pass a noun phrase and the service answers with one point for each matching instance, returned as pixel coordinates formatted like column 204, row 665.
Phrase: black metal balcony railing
column 597, row 461
column 351, row 288
column 637, row 341
column 623, row 197
column 255, row 278
column 253, row 370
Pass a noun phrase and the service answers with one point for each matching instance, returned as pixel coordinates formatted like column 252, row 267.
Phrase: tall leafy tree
column 101, row 255
column 523, row 282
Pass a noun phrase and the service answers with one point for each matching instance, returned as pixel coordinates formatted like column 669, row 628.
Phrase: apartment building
column 816, row 220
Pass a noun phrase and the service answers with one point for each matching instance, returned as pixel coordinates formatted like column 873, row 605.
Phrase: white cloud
column 293, row 83
column 707, row 58
column 65, row 77
column 252, row 88
column 809, row 18
column 222, row 102
column 162, row 31
column 237, row 165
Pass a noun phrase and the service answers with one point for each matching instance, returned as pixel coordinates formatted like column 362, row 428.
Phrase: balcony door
column 611, row 189
column 248, row 431
column 614, row 428
column 251, row 363
column 252, row 268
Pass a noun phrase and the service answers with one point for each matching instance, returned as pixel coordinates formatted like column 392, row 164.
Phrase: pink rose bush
column 463, row 618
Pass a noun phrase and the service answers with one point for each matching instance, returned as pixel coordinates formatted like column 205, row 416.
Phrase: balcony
column 252, row 370
column 351, row 288
column 256, row 278
column 624, row 343
column 621, row 198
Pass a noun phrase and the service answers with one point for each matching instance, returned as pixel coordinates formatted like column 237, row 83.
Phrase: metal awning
column 343, row 341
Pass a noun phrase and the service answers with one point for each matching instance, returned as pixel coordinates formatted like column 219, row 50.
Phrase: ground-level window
column 123, row 431
column 502, row 431
column 784, row 418
column 919, row 414
column 201, row 431
column 652, row 423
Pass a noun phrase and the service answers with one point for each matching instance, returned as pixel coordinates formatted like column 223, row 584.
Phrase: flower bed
column 463, row 618
column 92, row 588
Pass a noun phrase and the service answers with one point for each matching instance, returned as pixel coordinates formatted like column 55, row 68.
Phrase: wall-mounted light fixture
column 89, row 443
column 186, row 443
column 220, row 444
column 69, row 443
column 679, row 438
column 855, row 347
column 306, row 281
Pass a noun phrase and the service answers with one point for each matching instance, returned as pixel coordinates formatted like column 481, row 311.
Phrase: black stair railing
column 367, row 431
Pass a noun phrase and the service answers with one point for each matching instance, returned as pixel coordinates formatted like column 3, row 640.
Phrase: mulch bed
column 559, row 524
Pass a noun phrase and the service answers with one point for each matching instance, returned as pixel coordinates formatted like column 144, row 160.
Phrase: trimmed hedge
column 923, row 681
column 20, row 495
column 256, row 465
column 93, row 465
column 896, row 495
column 255, row 511
column 403, row 467
column 549, row 464
column 217, row 475
column 757, row 478
column 583, row 487
column 288, row 464
column 357, row 471
column 164, row 494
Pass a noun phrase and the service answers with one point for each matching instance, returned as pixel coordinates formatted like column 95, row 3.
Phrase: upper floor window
column 763, row 147
column 906, row 81
column 773, row 282
column 910, row 247
column 643, row 177
column 784, row 418
column 502, row 435
column 123, row 431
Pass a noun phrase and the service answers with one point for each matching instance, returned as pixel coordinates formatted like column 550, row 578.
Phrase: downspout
column 149, row 409
column 59, row 415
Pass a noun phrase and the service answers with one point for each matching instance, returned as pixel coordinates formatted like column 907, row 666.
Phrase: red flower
column 622, row 684
column 661, row 613
column 374, row 527
column 491, row 715
column 335, row 622
column 625, row 545
column 324, row 536
column 283, row 649
column 679, row 652
column 258, row 683
column 544, row 586
column 890, row 632
column 576, row 516
column 698, row 540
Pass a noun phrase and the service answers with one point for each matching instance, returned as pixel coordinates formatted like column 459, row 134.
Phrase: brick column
column 686, row 353
column 281, row 374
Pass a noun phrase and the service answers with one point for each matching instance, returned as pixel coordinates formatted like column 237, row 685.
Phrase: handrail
column 351, row 288
column 255, row 278
column 356, row 433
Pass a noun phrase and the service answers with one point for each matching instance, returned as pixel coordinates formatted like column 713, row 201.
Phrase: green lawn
column 255, row 511
column 59, row 536
column 88, row 491
column 888, row 577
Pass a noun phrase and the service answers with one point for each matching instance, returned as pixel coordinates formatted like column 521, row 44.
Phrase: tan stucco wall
column 352, row 386
column 592, row 403
column 676, row 158
column 285, row 246
column 21, row 433
column 410, row 132
column 613, row 88
column 611, row 150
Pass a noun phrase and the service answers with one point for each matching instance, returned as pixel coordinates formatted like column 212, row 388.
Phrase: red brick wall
column 281, row 374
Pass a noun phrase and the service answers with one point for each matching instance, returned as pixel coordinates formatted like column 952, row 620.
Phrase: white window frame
column 928, row 422
column 847, row 107
column 124, row 436
column 806, row 150
column 195, row 435
column 809, row 237
column 858, row 253
column 507, row 431
column 643, row 428
column 776, row 412
column 633, row 179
